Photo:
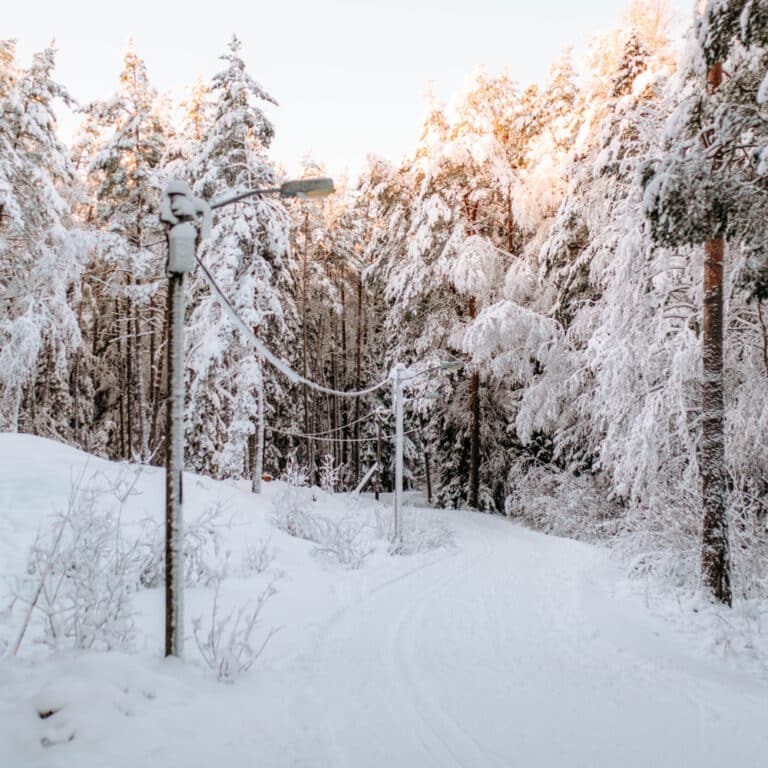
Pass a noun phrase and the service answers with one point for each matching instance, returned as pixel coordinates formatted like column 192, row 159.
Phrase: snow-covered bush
column 290, row 513
column 345, row 539
column 258, row 557
column 330, row 473
column 203, row 550
column 560, row 502
column 226, row 643
column 418, row 536
column 82, row 571
column 294, row 473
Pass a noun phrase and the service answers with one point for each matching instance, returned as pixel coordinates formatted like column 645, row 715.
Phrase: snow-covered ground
column 507, row 648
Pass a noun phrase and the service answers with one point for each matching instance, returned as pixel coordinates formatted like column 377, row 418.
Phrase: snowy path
column 494, row 656
column 508, row 650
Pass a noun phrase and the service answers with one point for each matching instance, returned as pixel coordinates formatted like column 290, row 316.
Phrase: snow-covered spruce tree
column 246, row 248
column 710, row 189
column 125, row 139
column 41, row 252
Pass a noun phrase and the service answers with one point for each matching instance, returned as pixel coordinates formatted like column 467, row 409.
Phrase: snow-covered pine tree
column 710, row 188
column 563, row 333
column 633, row 63
column 126, row 140
column 41, row 252
column 247, row 247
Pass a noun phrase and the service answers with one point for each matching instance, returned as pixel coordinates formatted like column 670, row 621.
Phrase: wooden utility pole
column 715, row 559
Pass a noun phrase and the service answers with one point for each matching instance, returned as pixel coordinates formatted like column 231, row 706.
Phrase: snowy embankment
column 504, row 648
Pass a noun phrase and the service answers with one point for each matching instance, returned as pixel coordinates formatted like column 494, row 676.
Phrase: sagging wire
column 343, row 426
column 301, row 436
column 266, row 353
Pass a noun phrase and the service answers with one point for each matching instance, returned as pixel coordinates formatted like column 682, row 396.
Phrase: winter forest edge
column 552, row 237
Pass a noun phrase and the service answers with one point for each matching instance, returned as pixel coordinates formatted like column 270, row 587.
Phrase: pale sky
column 350, row 77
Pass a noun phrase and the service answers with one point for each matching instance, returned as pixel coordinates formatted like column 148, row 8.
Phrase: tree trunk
column 715, row 560
column 358, row 373
column 158, row 398
column 346, row 446
column 258, row 463
column 305, row 340
column 129, row 375
column 377, row 487
column 121, row 378
column 474, row 430
column 141, row 396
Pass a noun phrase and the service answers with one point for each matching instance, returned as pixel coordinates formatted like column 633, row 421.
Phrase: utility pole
column 188, row 219
column 400, row 375
column 179, row 211
column 174, row 468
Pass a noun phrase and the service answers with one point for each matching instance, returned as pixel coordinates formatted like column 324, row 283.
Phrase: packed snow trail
column 502, row 655
column 508, row 649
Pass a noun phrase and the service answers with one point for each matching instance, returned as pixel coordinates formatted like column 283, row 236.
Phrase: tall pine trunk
column 715, row 560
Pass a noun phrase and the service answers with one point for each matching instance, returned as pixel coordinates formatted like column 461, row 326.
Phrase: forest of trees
column 553, row 237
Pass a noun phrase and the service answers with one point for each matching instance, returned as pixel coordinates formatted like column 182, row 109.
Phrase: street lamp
column 401, row 375
column 305, row 189
column 188, row 220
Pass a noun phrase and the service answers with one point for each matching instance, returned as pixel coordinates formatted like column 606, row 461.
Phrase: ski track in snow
column 499, row 655
column 505, row 651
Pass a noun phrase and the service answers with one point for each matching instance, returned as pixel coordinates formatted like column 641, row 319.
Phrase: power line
column 343, row 426
column 302, row 436
column 266, row 353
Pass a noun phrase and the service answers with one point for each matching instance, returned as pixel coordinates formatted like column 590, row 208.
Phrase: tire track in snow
column 414, row 729
column 460, row 745
column 366, row 686
column 547, row 687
